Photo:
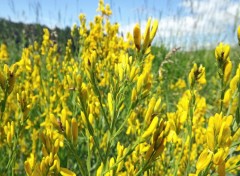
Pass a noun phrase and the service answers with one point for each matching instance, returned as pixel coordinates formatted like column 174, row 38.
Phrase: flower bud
column 68, row 130
column 146, row 41
column 137, row 36
column 74, row 130
column 222, row 53
column 227, row 70
column 154, row 30
column 151, row 128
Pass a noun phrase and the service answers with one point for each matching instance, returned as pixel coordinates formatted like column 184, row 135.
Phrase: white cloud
column 203, row 22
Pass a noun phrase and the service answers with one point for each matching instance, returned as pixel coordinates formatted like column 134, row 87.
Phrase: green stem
column 97, row 91
column 74, row 152
column 89, row 158
column 206, row 171
column 13, row 153
column 124, row 122
column 179, row 159
column 111, row 131
column 91, row 131
column 145, row 165
column 123, row 157
column 222, row 93
column 190, row 117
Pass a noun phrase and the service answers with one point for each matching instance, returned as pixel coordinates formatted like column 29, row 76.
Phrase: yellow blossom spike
column 11, row 81
column 159, row 141
column 227, row 70
column 210, row 139
column 137, row 36
column 134, row 95
column 54, row 121
column 228, row 120
column 149, row 152
column 227, row 97
column 12, row 129
column 234, row 82
column 153, row 30
column 27, row 168
column 56, row 146
column 50, row 161
column 218, row 157
column 222, row 52
column 83, row 117
column 74, row 130
column 150, row 110
column 203, row 160
column 68, row 130
column 99, row 170
column 3, row 53
column 197, row 74
column 91, row 119
column 151, row 127
column 146, row 41
column 110, row 104
column 159, row 150
column 132, row 73
column 54, row 166
column 157, row 105
column 43, row 167
column 120, row 72
column 66, row 172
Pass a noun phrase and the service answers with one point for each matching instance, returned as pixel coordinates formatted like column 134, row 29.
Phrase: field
column 86, row 101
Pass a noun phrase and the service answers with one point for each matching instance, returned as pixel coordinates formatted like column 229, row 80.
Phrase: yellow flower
column 210, row 139
column 222, row 53
column 151, row 128
column 99, row 170
column 68, row 130
column 219, row 131
column 137, row 36
column 66, row 172
column 74, row 130
column 235, row 80
column 204, row 160
column 3, row 53
column 110, row 104
column 29, row 164
column 227, row 70
column 134, row 95
column 227, row 97
column 153, row 30
column 9, row 131
column 197, row 74
column 219, row 156
column 146, row 39
column 150, row 109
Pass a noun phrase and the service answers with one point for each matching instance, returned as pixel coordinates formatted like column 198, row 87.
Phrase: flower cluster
column 97, row 107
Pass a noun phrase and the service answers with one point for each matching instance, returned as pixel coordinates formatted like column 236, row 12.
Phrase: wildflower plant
column 96, row 107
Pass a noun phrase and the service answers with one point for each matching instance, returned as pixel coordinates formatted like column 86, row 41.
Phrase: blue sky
column 184, row 23
column 65, row 12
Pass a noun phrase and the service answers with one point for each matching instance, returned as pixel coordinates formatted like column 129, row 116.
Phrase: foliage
column 105, row 105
